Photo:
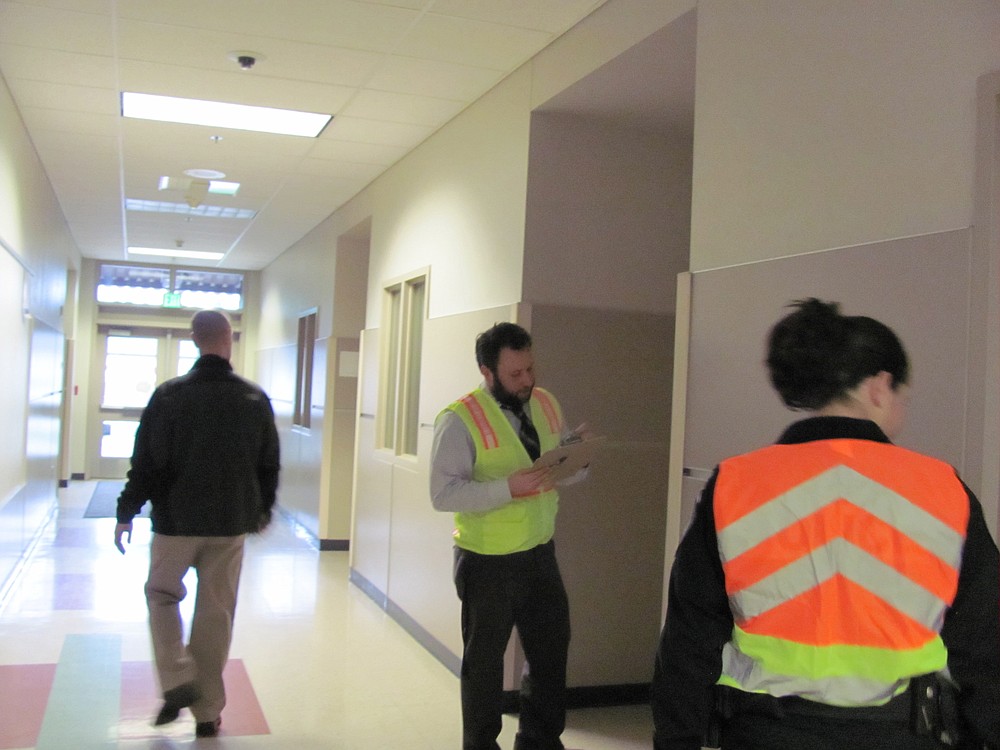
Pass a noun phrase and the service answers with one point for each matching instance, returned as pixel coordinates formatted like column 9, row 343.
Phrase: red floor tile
column 24, row 692
column 141, row 699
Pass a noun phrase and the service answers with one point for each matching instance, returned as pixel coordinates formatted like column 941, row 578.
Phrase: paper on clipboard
column 566, row 460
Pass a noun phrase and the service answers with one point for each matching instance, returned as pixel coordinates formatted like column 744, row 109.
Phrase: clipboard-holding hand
column 579, row 435
column 568, row 458
column 528, row 482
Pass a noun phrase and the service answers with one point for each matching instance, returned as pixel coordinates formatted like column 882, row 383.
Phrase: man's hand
column 263, row 521
column 123, row 529
column 583, row 432
column 527, row 482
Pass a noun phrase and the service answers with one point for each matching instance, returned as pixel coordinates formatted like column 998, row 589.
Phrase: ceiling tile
column 96, row 7
column 392, row 107
column 442, row 80
column 38, row 120
column 383, row 133
column 348, row 170
column 411, row 4
column 99, row 239
column 362, row 153
column 554, row 16
column 69, row 99
column 50, row 28
column 195, row 233
column 56, row 66
column 279, row 58
column 341, row 23
column 82, row 148
column 167, row 140
column 467, row 42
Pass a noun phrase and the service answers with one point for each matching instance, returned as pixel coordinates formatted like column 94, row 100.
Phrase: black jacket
column 206, row 455
column 699, row 621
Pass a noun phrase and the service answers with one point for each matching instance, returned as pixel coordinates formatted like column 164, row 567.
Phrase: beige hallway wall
column 36, row 256
column 830, row 124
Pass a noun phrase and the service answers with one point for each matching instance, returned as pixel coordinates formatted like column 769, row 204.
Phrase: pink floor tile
column 24, row 691
column 141, row 699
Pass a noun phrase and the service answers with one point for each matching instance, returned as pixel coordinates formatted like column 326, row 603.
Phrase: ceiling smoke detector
column 245, row 58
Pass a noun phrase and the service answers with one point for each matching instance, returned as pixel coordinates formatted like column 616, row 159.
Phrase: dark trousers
column 498, row 592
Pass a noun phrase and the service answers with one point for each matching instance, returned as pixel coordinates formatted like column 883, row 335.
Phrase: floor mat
column 104, row 501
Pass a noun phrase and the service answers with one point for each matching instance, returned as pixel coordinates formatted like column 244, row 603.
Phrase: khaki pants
column 218, row 561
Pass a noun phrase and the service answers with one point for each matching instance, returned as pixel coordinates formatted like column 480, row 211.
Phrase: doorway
column 130, row 362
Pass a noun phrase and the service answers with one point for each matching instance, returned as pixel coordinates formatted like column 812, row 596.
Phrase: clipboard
column 567, row 460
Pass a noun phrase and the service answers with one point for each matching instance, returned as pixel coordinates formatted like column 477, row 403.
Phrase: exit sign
column 171, row 299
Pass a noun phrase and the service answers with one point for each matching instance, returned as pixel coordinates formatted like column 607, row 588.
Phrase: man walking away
column 207, row 458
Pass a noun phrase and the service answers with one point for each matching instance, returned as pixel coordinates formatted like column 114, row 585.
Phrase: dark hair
column 816, row 355
column 501, row 336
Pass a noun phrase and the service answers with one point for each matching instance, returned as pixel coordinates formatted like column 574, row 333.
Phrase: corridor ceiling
column 390, row 71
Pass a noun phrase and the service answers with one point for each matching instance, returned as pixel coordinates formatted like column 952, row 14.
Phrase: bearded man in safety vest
column 505, row 566
column 833, row 591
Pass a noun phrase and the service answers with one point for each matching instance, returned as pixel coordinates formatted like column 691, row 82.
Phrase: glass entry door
column 131, row 362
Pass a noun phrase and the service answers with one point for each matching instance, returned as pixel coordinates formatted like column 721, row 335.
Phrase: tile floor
column 314, row 663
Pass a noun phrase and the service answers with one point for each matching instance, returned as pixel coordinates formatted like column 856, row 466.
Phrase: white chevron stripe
column 841, row 483
column 856, row 565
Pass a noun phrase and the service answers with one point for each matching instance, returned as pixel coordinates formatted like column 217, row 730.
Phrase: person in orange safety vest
column 833, row 590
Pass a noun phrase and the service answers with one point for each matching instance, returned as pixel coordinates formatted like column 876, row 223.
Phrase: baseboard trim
column 416, row 631
column 20, row 503
column 334, row 545
column 590, row 696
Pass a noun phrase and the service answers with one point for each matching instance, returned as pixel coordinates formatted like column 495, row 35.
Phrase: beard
column 509, row 398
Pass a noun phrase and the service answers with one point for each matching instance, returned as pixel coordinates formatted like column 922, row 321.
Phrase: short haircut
column 501, row 336
column 816, row 355
column 210, row 326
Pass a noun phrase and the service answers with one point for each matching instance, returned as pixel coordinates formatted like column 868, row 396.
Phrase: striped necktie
column 528, row 433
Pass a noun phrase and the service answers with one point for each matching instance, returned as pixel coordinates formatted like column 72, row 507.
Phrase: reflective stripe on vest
column 518, row 525
column 550, row 409
column 487, row 435
column 841, row 558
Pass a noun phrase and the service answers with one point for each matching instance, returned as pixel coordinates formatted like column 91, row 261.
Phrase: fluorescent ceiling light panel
column 164, row 207
column 220, row 187
column 223, row 115
column 169, row 253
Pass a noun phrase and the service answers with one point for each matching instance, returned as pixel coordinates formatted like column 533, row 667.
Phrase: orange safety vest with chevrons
column 841, row 558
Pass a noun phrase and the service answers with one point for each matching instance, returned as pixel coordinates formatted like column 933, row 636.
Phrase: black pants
column 498, row 592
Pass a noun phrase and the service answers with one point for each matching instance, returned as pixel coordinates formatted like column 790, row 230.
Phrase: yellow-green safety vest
column 522, row 523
